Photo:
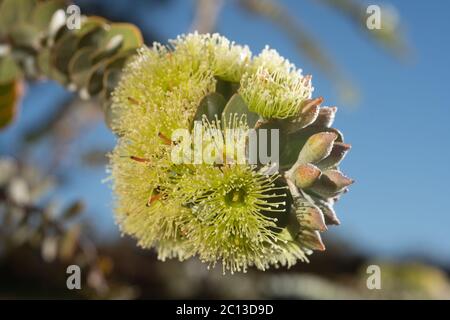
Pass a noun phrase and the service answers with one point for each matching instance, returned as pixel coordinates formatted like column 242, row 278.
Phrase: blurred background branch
column 304, row 40
column 390, row 36
column 206, row 15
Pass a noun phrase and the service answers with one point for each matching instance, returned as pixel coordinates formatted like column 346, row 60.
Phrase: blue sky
column 399, row 128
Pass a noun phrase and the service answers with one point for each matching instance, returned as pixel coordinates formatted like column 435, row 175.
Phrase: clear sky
column 399, row 129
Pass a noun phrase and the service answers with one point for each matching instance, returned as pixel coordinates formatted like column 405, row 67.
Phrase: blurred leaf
column 111, row 79
column 49, row 248
column 131, row 35
column 19, row 191
column 63, row 51
column 9, row 96
column 114, row 67
column 9, row 70
column 25, row 35
column 73, row 210
column 100, row 46
column 96, row 80
column 110, row 48
column 43, row 13
column 13, row 13
column 69, row 243
column 91, row 33
column 43, row 61
column 8, row 168
column 57, row 26
column 79, row 66
column 121, row 40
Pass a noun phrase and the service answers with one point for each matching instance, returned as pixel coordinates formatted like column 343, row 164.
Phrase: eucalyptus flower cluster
column 237, row 214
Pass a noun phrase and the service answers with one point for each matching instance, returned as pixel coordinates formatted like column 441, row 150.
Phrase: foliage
column 57, row 233
column 37, row 43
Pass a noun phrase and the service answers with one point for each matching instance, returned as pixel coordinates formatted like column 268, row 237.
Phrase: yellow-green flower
column 275, row 88
column 226, row 59
column 229, row 212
